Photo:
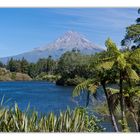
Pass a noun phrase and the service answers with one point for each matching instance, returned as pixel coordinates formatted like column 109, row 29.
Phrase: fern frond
column 106, row 65
column 112, row 90
column 92, row 88
column 132, row 74
column 135, row 56
column 134, row 90
column 81, row 87
column 121, row 61
column 114, row 101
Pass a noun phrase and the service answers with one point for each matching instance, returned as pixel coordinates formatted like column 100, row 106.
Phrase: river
column 44, row 97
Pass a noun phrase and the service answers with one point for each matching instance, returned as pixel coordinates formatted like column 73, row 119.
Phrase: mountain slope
column 69, row 41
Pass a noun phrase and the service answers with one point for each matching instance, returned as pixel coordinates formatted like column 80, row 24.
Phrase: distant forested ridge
column 71, row 69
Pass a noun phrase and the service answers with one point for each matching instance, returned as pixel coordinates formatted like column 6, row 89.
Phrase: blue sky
column 23, row 29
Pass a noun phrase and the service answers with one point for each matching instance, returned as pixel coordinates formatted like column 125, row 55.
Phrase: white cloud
column 105, row 17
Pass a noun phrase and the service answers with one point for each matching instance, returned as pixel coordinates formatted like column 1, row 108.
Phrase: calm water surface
column 43, row 96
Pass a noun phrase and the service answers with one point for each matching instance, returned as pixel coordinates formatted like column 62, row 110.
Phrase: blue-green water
column 42, row 96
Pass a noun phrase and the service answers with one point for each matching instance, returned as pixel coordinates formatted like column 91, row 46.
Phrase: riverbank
column 70, row 81
column 6, row 75
column 59, row 80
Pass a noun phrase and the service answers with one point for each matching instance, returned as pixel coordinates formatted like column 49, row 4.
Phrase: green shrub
column 47, row 77
column 75, row 81
column 70, row 81
column 13, row 76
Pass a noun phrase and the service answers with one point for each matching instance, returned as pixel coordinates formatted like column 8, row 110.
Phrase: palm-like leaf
column 86, row 85
column 107, row 59
column 134, row 91
column 135, row 58
column 113, row 98
column 129, row 103
column 114, row 101
column 106, row 65
column 112, row 90
column 132, row 74
column 92, row 88
column 121, row 61
column 111, row 46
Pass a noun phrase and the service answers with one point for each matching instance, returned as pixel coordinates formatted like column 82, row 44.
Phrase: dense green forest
column 89, row 72
column 71, row 69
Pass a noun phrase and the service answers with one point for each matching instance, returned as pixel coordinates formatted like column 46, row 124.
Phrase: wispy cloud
column 106, row 17
column 98, row 23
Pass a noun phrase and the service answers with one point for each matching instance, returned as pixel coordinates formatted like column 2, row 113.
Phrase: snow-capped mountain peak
column 70, row 40
column 67, row 42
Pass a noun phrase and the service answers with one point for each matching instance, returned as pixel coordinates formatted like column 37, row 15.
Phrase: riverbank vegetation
column 6, row 75
column 71, row 69
column 77, row 120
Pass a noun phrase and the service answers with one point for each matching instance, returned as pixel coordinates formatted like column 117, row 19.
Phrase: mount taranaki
column 67, row 42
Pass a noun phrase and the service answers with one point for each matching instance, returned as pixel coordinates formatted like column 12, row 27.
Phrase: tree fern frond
column 129, row 103
column 106, row 65
column 107, row 59
column 114, row 101
column 92, row 88
column 134, row 90
column 132, row 74
column 83, row 86
column 135, row 56
column 113, row 98
column 121, row 61
column 112, row 90
column 112, row 48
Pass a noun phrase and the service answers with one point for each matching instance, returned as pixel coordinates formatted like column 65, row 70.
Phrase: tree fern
column 132, row 74
column 81, row 87
column 106, row 65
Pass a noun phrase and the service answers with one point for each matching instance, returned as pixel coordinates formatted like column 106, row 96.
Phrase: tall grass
column 78, row 120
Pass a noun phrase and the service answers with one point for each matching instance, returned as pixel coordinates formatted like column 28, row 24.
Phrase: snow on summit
column 67, row 42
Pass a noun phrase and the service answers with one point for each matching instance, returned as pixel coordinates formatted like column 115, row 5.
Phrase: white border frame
column 69, row 3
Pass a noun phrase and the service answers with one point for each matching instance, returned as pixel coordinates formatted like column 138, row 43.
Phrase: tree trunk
column 139, row 118
column 135, row 121
column 122, row 102
column 133, row 114
column 114, row 123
